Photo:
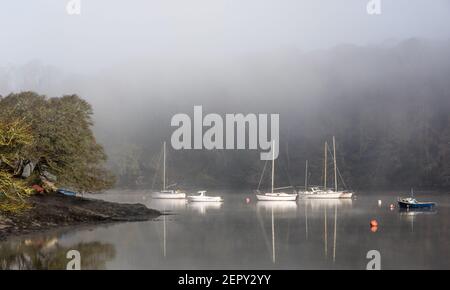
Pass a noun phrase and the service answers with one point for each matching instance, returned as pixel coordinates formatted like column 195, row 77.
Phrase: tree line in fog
column 387, row 106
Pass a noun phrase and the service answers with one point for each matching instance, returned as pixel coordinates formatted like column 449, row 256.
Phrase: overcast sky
column 111, row 32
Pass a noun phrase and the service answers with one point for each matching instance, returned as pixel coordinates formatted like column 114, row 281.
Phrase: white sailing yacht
column 276, row 196
column 325, row 193
column 165, row 193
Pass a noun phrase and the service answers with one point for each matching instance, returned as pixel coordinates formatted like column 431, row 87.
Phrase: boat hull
column 276, row 197
column 168, row 195
column 204, row 198
column 67, row 192
column 346, row 195
column 329, row 195
column 421, row 205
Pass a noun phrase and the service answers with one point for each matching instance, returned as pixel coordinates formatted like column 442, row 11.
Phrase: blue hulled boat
column 411, row 203
column 67, row 192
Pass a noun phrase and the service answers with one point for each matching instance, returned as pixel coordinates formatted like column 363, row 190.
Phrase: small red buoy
column 247, row 200
column 373, row 223
column 374, row 229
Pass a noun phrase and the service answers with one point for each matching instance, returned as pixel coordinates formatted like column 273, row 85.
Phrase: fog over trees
column 388, row 106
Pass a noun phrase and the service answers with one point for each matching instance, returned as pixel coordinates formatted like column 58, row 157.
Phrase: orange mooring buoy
column 373, row 226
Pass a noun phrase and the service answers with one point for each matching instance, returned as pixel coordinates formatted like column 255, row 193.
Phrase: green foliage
column 15, row 138
column 13, row 192
column 64, row 144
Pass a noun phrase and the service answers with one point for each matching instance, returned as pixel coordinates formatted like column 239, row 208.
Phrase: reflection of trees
column 48, row 254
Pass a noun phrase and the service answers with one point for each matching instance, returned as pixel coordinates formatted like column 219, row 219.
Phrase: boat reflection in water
column 203, row 208
column 410, row 215
column 276, row 210
column 327, row 206
column 416, row 212
column 320, row 204
column 280, row 208
column 167, row 205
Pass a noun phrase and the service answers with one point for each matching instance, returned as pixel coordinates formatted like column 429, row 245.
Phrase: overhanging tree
column 64, row 144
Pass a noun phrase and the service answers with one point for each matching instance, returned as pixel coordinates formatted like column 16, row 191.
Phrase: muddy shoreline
column 59, row 211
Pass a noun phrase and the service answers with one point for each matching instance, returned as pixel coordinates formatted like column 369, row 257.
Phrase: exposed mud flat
column 56, row 210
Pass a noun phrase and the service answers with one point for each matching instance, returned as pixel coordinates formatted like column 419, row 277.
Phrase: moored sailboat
column 166, row 193
column 276, row 196
column 325, row 193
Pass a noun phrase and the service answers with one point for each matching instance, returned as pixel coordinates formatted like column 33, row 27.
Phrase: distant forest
column 389, row 108
column 398, row 144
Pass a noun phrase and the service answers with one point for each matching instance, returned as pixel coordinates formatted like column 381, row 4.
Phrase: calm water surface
column 307, row 234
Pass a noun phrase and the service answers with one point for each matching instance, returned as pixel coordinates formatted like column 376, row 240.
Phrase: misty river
column 247, row 234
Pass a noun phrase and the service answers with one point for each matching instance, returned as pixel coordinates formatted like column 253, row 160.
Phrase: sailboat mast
column 306, row 176
column 164, row 167
column 164, row 249
column 335, row 165
column 325, row 167
column 335, row 231
column 325, row 233
column 273, row 238
column 273, row 163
